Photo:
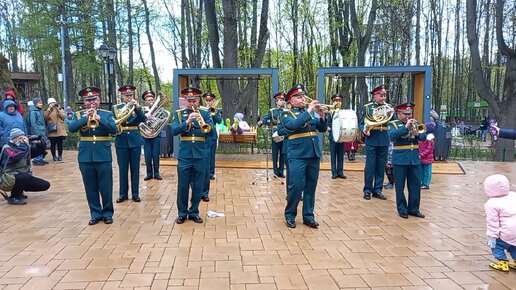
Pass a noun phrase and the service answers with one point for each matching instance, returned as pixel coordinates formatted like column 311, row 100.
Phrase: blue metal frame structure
column 273, row 73
column 421, row 82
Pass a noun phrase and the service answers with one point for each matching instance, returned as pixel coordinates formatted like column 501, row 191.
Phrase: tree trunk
column 130, row 76
column 151, row 46
column 503, row 109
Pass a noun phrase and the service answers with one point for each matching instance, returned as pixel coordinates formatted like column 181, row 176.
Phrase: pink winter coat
column 426, row 150
column 500, row 209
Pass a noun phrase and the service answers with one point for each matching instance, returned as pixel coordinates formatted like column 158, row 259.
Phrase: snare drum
column 277, row 138
column 344, row 126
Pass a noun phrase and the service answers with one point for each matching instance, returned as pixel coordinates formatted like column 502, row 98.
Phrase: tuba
column 381, row 115
column 121, row 115
column 160, row 117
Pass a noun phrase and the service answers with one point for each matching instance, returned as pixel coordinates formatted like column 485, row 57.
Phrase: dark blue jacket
column 406, row 148
column 273, row 117
column 187, row 148
column 91, row 149
column 296, row 122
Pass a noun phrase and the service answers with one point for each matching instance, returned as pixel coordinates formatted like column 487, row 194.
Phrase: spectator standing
column 10, row 95
column 426, row 156
column 10, row 118
column 38, row 127
column 483, row 129
column 55, row 116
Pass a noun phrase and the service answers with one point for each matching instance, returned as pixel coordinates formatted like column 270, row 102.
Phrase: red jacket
column 426, row 151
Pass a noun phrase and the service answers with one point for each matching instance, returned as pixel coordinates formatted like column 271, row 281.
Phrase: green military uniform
column 304, row 156
column 211, row 143
column 192, row 158
column 273, row 119
column 377, row 145
column 128, row 150
column 405, row 160
column 95, row 161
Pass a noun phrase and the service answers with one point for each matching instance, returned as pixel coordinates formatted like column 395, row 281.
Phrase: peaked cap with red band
column 147, row 94
column 379, row 89
column 336, row 96
column 296, row 90
column 209, row 94
column 279, row 95
column 405, row 107
column 191, row 93
column 89, row 93
column 127, row 90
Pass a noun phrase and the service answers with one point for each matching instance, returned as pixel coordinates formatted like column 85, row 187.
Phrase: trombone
column 325, row 107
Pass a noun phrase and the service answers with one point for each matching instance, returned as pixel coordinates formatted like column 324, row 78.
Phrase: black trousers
column 56, row 141
column 27, row 182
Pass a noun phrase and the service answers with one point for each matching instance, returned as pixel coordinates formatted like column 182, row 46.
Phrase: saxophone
column 159, row 117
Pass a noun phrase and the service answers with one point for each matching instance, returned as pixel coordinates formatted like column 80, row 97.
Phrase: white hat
column 51, row 100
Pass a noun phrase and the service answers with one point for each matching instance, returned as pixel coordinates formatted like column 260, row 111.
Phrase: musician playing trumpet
column 128, row 144
column 193, row 125
column 405, row 134
column 151, row 146
column 377, row 145
column 336, row 149
column 302, row 123
column 216, row 116
column 95, row 161
column 273, row 119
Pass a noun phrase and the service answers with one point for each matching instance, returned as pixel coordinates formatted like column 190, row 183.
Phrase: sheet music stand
column 266, row 173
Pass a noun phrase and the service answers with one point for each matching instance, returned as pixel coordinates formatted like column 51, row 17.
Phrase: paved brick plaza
column 47, row 244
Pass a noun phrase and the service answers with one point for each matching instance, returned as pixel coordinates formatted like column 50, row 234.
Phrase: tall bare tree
column 151, row 46
column 236, row 95
column 504, row 106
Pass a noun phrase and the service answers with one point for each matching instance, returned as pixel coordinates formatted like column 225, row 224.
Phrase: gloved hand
column 491, row 242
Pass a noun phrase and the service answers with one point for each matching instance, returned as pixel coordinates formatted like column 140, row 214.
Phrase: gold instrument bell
column 381, row 115
column 160, row 117
column 205, row 128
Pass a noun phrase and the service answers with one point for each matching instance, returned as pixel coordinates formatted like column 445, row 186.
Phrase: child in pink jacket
column 426, row 156
column 501, row 221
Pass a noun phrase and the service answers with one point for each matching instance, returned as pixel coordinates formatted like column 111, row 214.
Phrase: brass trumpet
column 205, row 128
column 419, row 127
column 92, row 122
column 336, row 106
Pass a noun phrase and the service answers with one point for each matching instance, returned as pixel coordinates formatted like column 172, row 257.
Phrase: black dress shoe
column 158, row 177
column 121, row 199
column 281, row 175
column 419, row 215
column 205, row 198
column 136, row 199
column 342, row 176
column 312, row 224
column 291, row 223
column 180, row 220
column 93, row 222
column 379, row 195
column 404, row 215
column 147, row 178
column 197, row 219
column 367, row 195
column 334, row 177
column 108, row 220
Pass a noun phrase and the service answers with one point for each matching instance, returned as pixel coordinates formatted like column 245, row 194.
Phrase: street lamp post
column 109, row 55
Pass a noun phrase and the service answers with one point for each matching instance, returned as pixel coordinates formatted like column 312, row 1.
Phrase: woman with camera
column 56, row 129
column 15, row 161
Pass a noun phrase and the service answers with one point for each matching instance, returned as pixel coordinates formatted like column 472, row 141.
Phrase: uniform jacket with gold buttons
column 96, row 143
column 192, row 139
column 406, row 149
column 130, row 137
column 298, row 121
column 378, row 136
